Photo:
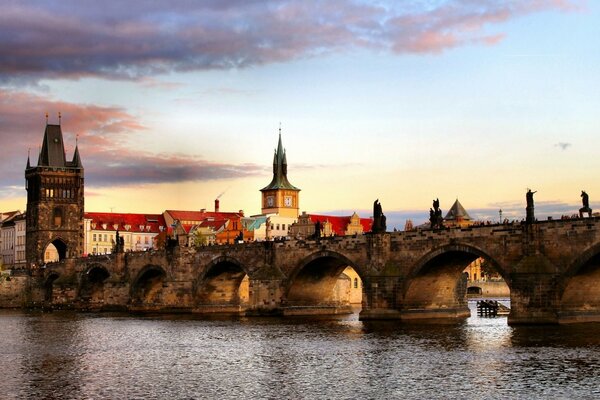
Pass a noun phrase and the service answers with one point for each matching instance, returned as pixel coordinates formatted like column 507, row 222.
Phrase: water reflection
column 67, row 355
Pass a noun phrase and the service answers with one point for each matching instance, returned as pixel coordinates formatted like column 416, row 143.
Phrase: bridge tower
column 280, row 196
column 54, row 202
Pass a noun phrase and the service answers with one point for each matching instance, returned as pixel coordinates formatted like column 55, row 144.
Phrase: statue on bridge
column 317, row 234
column 119, row 244
column 529, row 210
column 436, row 220
column 585, row 199
column 379, row 219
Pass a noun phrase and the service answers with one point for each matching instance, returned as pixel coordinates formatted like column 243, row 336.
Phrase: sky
column 176, row 103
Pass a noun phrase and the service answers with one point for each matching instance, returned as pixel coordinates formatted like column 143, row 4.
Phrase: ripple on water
column 75, row 356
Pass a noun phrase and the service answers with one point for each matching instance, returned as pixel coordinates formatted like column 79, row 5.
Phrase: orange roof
column 135, row 222
column 339, row 223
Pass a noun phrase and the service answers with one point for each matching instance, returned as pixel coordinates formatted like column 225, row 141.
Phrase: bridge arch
column 146, row 288
column 91, row 286
column 223, row 286
column 436, row 284
column 579, row 291
column 314, row 282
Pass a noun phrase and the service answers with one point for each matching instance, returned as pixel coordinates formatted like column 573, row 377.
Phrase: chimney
column 241, row 212
column 216, row 205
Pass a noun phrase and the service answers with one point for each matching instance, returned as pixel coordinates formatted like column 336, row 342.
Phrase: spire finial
column 76, row 140
column 279, row 127
column 59, row 117
column 46, row 117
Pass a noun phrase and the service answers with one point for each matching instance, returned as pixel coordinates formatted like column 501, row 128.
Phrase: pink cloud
column 104, row 134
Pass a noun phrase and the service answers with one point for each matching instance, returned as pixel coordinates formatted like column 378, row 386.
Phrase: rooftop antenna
column 59, row 117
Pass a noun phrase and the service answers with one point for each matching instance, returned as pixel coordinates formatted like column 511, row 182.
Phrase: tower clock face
column 270, row 201
column 287, row 201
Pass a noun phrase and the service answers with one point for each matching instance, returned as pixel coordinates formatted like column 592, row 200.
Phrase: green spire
column 280, row 180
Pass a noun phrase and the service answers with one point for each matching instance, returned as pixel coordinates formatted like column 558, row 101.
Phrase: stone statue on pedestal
column 529, row 210
column 585, row 199
column 436, row 220
column 379, row 220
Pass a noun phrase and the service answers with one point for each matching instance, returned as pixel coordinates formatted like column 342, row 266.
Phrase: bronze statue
column 585, row 199
column 529, row 210
column 378, row 218
column 436, row 220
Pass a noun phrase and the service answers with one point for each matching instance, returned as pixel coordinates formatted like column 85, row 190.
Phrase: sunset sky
column 178, row 102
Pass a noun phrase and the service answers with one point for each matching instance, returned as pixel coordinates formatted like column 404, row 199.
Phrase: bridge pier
column 534, row 292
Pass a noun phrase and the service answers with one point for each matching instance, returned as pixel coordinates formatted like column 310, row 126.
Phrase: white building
column 7, row 238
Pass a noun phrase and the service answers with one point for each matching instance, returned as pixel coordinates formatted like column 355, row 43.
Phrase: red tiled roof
column 201, row 215
column 339, row 223
column 154, row 221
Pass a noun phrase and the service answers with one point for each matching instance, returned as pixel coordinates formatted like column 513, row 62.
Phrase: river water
column 65, row 355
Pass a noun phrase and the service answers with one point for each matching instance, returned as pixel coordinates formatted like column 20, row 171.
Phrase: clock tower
column 280, row 196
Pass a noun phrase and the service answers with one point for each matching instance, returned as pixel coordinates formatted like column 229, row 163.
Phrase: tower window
column 57, row 217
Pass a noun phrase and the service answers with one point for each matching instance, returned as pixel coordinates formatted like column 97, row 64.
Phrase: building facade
column 138, row 231
column 55, row 201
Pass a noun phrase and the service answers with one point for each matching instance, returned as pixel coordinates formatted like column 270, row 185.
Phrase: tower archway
column 56, row 250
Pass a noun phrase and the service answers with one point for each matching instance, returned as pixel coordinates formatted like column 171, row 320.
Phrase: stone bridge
column 551, row 268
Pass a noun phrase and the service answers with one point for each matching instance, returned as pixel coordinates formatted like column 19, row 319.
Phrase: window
column 355, row 283
column 283, row 227
column 94, row 239
column 57, row 217
column 105, row 239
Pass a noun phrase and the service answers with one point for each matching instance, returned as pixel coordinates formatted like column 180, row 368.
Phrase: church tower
column 280, row 196
column 54, row 202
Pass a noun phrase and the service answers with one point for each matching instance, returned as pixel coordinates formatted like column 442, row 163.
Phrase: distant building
column 216, row 226
column 280, row 202
column 280, row 197
column 139, row 231
column 457, row 216
column 8, row 238
column 330, row 225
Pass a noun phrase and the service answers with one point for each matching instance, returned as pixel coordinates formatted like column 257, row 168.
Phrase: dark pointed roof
column 76, row 163
column 52, row 153
column 53, row 149
column 279, row 180
column 457, row 211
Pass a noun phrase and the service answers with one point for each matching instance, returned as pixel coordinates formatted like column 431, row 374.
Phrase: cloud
column 105, row 134
column 563, row 145
column 137, row 39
